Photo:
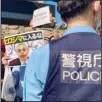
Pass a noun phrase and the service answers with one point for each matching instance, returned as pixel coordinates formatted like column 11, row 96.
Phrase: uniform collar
column 80, row 29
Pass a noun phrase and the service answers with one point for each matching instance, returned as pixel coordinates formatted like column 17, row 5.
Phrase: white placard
column 41, row 16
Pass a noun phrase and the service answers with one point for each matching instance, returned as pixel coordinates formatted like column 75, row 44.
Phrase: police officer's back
column 75, row 60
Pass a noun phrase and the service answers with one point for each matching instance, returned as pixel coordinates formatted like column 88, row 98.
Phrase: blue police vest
column 75, row 69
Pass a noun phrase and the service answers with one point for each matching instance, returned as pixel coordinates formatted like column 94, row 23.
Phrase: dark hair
column 71, row 8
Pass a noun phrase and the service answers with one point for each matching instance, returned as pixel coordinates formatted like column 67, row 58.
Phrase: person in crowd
column 2, row 55
column 18, row 71
column 98, row 28
column 68, row 69
column 2, row 65
column 99, row 31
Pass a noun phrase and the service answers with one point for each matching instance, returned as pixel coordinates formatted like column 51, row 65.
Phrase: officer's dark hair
column 71, row 8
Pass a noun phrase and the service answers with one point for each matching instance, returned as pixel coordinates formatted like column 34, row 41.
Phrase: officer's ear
column 96, row 5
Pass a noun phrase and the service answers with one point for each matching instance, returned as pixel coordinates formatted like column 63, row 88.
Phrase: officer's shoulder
column 71, row 36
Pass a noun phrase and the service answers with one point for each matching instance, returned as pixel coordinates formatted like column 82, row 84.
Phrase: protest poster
column 20, row 46
column 41, row 16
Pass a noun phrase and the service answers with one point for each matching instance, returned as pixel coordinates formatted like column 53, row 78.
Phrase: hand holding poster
column 20, row 46
column 41, row 16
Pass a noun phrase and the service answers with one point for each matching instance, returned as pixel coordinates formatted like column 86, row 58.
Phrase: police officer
column 68, row 69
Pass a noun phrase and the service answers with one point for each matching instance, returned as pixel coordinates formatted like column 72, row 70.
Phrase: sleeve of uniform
column 35, row 74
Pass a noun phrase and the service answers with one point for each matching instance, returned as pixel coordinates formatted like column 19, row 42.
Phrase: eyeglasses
column 48, row 38
column 20, row 50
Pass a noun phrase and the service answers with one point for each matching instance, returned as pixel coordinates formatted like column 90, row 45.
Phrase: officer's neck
column 80, row 22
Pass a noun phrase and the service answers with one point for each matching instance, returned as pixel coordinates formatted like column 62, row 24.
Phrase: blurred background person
column 99, row 31
column 98, row 28
column 2, row 64
column 2, row 55
column 18, row 71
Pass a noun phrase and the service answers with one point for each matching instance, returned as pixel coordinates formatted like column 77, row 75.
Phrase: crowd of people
column 52, row 72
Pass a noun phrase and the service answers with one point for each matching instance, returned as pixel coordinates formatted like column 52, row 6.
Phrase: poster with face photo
column 20, row 46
